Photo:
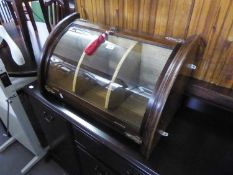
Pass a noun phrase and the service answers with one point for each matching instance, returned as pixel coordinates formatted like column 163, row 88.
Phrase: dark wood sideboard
column 83, row 146
column 79, row 145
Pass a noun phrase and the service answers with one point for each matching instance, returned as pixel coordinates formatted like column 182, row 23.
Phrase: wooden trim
column 23, row 26
column 151, row 100
column 213, row 94
column 45, row 14
column 49, row 45
column 166, row 82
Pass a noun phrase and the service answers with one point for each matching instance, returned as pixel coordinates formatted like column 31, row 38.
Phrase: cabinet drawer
column 109, row 158
column 57, row 132
column 92, row 166
column 52, row 125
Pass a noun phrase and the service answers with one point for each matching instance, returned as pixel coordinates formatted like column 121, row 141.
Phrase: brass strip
column 116, row 73
column 77, row 70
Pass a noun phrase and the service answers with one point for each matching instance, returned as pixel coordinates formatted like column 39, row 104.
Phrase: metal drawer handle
column 48, row 117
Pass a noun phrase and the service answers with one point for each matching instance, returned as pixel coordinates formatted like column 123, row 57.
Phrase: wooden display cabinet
column 130, row 84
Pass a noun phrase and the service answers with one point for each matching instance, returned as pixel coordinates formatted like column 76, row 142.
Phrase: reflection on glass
column 119, row 78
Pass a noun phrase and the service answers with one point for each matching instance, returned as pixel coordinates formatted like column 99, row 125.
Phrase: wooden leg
column 56, row 12
column 45, row 14
column 24, row 28
column 52, row 19
column 66, row 8
column 29, row 10
column 12, row 12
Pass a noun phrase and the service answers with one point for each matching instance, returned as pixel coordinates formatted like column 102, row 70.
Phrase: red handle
column 91, row 48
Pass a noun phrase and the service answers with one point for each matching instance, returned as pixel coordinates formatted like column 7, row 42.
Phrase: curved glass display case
column 125, row 83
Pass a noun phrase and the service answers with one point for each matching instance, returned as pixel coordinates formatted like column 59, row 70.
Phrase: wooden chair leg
column 66, row 8
column 51, row 14
column 24, row 28
column 56, row 12
column 9, row 4
column 45, row 14
column 29, row 10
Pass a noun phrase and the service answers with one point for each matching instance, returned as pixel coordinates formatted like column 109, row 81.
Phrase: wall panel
column 212, row 19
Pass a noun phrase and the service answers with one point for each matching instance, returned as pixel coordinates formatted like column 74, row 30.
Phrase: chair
column 16, row 8
column 16, row 26
column 53, row 11
column 56, row 10
column 27, row 24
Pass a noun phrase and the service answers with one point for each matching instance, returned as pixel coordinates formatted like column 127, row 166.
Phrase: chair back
column 57, row 10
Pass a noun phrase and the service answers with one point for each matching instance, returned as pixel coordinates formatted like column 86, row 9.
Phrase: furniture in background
column 22, row 22
column 53, row 11
column 29, row 27
column 16, row 53
column 30, row 67
column 6, row 14
column 56, row 10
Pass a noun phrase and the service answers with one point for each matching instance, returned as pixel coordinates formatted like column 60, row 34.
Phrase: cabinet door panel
column 58, row 135
column 90, row 165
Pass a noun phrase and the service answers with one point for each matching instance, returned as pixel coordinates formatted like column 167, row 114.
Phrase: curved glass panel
column 118, row 78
